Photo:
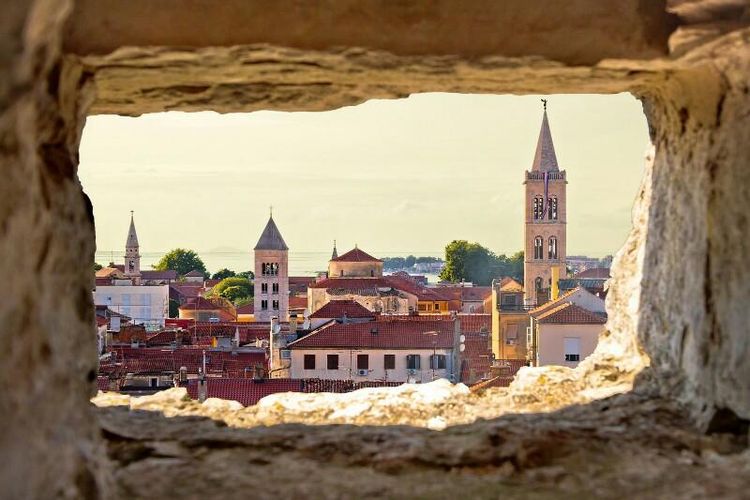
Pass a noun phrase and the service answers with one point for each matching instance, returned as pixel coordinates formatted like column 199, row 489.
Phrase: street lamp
column 433, row 360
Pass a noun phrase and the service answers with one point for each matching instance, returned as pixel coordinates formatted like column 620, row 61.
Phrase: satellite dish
column 462, row 338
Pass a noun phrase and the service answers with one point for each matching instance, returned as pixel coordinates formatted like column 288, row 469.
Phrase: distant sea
column 300, row 263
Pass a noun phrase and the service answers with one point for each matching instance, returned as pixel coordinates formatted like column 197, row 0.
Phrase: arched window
column 549, row 209
column 538, row 283
column 553, row 208
column 538, row 247
column 538, row 207
column 552, row 248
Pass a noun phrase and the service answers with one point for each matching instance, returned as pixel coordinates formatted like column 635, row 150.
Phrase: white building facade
column 145, row 304
column 378, row 365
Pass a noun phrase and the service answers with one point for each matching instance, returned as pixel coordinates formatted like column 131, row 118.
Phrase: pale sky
column 406, row 175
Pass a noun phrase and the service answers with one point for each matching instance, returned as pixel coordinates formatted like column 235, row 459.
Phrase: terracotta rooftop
column 475, row 293
column 594, row 272
column 248, row 308
column 297, row 302
column 169, row 274
column 570, row 314
column 510, row 285
column 340, row 308
column 400, row 334
column 245, row 391
column 200, row 304
column 195, row 274
column 356, row 255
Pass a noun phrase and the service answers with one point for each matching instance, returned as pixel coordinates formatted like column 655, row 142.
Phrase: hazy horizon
column 398, row 176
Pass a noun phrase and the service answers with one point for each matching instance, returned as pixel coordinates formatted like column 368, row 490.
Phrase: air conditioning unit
column 363, row 373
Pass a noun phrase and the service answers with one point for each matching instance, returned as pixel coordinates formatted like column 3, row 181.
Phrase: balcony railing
column 516, row 307
column 539, row 176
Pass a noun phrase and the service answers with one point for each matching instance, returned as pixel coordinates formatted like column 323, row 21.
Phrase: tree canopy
column 181, row 260
column 479, row 265
column 247, row 274
column 223, row 273
column 235, row 289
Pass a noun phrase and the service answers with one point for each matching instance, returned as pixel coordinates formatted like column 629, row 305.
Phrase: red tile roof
column 402, row 333
column 340, row 308
column 169, row 274
column 356, row 255
column 200, row 304
column 147, row 360
column 570, row 314
column 298, row 284
column 248, row 308
column 246, row 391
column 594, row 272
column 296, row 302
column 368, row 286
column 475, row 293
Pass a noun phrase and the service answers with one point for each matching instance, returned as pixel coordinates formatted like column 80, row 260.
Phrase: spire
column 545, row 159
column 132, row 236
column 271, row 238
column 335, row 253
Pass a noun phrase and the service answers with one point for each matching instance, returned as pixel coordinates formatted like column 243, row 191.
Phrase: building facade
column 146, row 305
column 271, row 283
column 545, row 220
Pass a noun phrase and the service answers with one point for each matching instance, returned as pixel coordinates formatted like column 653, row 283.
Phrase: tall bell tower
column 546, row 216
column 132, row 254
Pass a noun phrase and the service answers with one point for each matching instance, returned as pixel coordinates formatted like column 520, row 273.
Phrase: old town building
column 271, row 297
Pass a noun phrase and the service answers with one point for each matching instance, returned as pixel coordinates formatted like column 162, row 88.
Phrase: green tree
column 234, row 288
column 223, row 273
column 97, row 266
column 174, row 308
column 181, row 260
column 247, row 274
column 477, row 264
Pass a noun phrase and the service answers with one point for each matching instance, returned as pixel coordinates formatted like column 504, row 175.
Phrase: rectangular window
column 412, row 361
column 437, row 362
column 511, row 331
column 389, row 361
column 264, row 305
column 437, row 306
column 332, row 361
column 275, row 305
column 572, row 346
column 264, row 288
column 275, row 288
column 363, row 362
column 309, row 361
column 421, row 307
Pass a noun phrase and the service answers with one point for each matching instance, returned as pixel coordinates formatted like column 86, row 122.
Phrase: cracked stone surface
column 681, row 285
column 622, row 447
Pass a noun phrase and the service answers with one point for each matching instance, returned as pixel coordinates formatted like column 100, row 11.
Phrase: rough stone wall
column 680, row 293
column 48, row 358
column 695, row 272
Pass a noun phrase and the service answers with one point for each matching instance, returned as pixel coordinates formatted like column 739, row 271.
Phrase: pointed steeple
column 335, row 253
column 132, row 241
column 271, row 238
column 545, row 159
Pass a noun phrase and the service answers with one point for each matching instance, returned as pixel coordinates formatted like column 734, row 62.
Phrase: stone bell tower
column 132, row 255
column 546, row 216
column 271, row 282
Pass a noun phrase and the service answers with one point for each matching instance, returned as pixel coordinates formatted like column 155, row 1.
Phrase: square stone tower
column 271, row 282
column 546, row 216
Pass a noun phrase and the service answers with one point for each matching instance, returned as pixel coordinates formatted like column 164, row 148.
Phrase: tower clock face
column 132, row 265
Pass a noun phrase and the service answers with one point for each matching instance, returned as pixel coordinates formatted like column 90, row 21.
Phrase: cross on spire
column 544, row 103
column 270, row 210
